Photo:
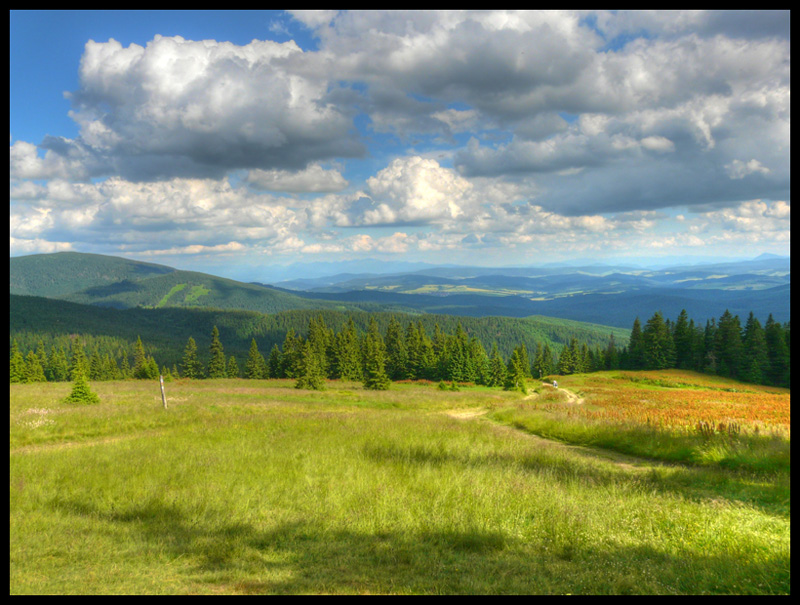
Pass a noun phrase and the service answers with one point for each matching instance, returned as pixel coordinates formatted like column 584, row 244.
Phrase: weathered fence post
column 163, row 396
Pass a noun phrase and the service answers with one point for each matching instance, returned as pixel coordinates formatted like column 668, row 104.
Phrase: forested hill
column 165, row 331
column 62, row 273
column 109, row 281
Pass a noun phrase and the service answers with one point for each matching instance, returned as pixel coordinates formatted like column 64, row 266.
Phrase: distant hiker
column 555, row 384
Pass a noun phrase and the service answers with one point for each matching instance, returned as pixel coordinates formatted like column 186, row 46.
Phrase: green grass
column 244, row 487
column 168, row 295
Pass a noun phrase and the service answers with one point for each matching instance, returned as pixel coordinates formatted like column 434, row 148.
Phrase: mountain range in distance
column 601, row 294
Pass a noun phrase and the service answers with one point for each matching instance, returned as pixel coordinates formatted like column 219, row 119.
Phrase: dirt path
column 571, row 397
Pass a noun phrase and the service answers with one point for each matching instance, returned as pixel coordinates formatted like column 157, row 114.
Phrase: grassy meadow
column 255, row 487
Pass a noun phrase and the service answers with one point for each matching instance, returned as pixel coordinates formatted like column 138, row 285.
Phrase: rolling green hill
column 62, row 273
column 119, row 283
column 165, row 331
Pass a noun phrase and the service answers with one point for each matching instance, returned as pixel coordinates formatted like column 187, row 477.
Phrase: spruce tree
column 375, row 376
column 515, row 373
column 611, row 357
column 777, row 352
column 217, row 366
column 140, row 369
column 34, row 372
column 190, row 366
column 396, row 352
column 728, row 345
column 254, row 366
column 78, row 362
column 658, row 348
column 17, row 364
column 348, row 359
column 312, row 375
column 58, row 367
column 273, row 367
column 755, row 360
column 635, row 356
column 233, row 368
column 81, row 393
column 497, row 368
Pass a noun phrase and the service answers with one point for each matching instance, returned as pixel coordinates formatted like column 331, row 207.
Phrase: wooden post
column 163, row 396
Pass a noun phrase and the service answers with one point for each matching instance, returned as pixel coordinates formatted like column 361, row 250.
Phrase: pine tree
column 190, row 366
column 254, row 366
column 34, row 372
column 125, row 367
column 497, row 368
column 778, row 353
column 291, row 355
column 78, row 362
column 611, row 357
column 396, row 352
column 479, row 362
column 312, row 375
column 348, row 359
column 81, row 393
column 233, row 368
column 217, row 366
column 635, row 347
column 17, row 364
column 728, row 345
column 95, row 366
column 515, row 373
column 375, row 376
column 273, row 363
column 658, row 348
column 683, row 338
column 755, row 360
column 139, row 360
column 566, row 361
column 58, row 367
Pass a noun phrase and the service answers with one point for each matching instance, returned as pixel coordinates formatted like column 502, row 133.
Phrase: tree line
column 750, row 353
column 376, row 357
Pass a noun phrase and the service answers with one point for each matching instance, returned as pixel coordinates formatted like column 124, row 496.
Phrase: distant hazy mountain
column 607, row 295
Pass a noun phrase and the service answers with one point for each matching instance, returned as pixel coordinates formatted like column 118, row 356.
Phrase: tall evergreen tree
column 755, row 360
column 78, row 361
column 217, row 366
column 190, row 366
column 728, row 345
column 17, row 364
column 274, row 363
column 658, row 348
column 635, row 356
column 515, row 373
column 683, row 338
column 611, row 358
column 254, row 366
column 778, row 353
column 58, row 367
column 497, row 368
column 233, row 368
column 139, row 360
column 292, row 354
column 349, row 364
column 375, row 376
column 312, row 375
column 34, row 372
column 396, row 352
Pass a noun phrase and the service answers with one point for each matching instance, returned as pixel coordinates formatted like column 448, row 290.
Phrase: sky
column 235, row 141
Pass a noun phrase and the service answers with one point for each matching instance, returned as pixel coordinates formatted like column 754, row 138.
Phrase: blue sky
column 230, row 141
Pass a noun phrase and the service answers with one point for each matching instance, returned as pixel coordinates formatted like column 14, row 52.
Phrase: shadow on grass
column 692, row 482
column 298, row 558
